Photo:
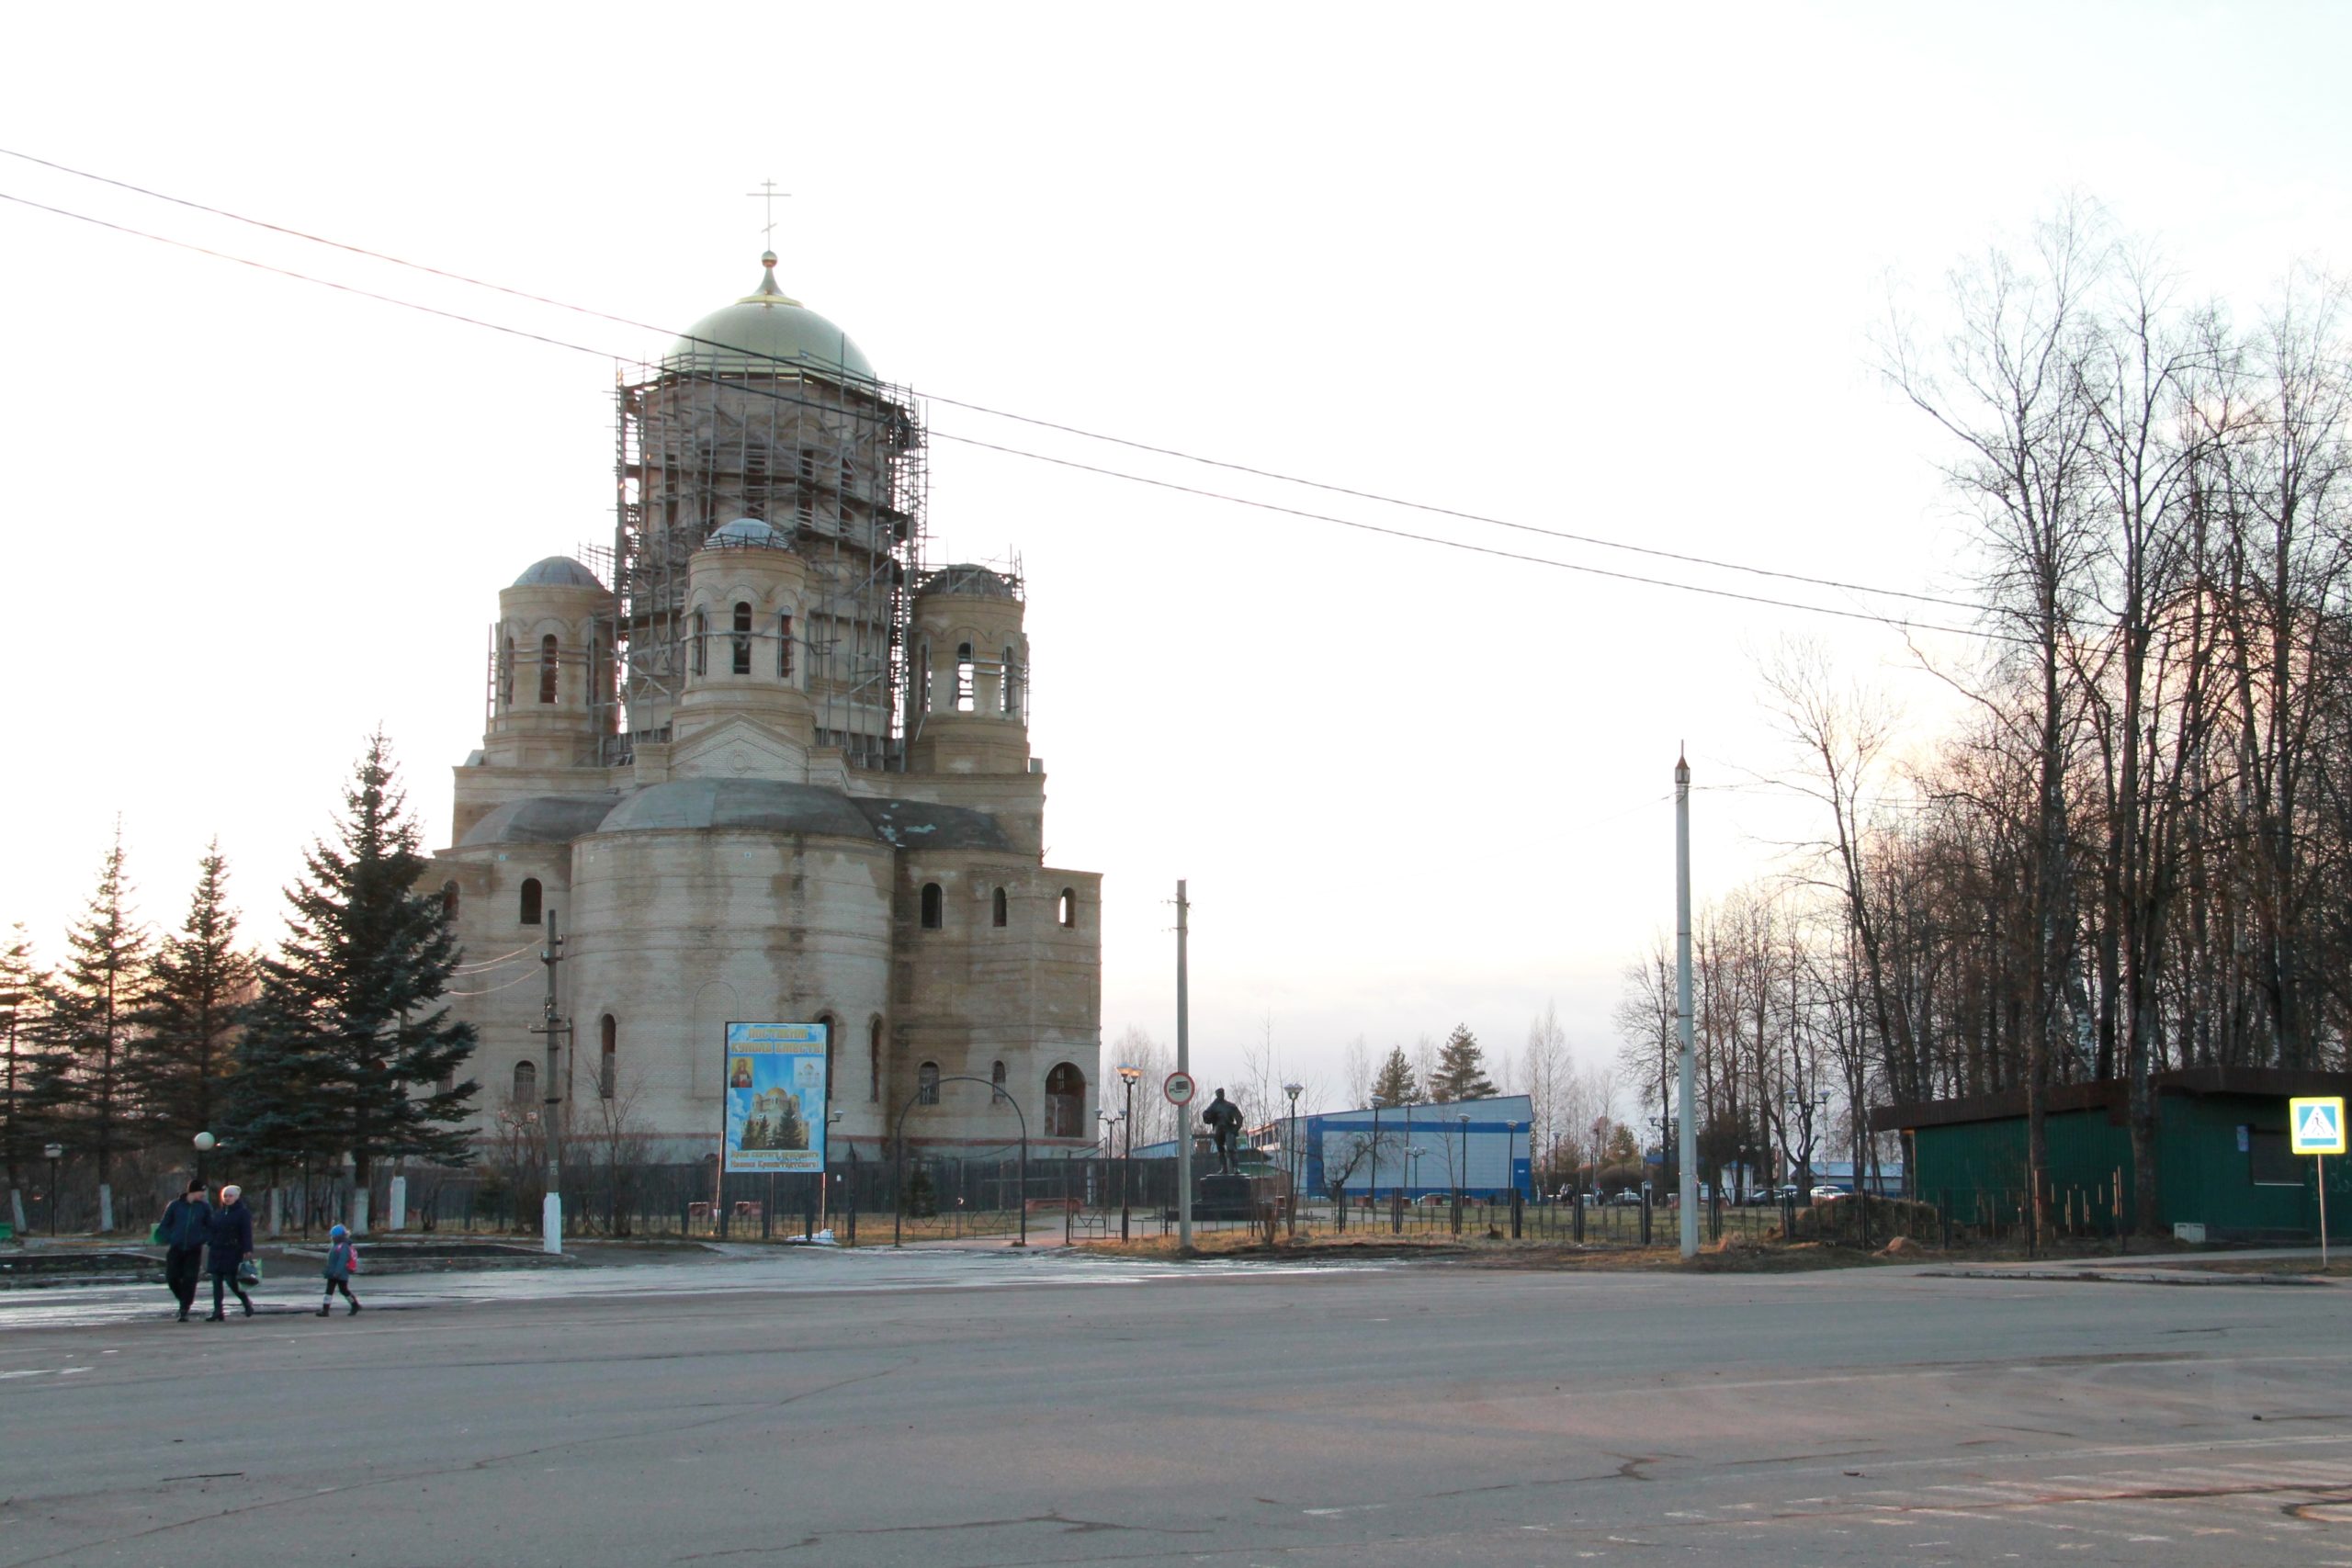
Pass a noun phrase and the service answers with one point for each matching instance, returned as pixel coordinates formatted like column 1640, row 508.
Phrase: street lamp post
column 1412, row 1176
column 1372, row 1183
column 1290, row 1145
column 1127, row 1076
column 55, row 1152
column 1462, row 1173
column 899, row 1139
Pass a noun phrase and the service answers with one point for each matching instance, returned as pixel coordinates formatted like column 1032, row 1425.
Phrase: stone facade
column 737, row 864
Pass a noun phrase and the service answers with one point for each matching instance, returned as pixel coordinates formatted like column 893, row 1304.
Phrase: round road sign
column 1180, row 1089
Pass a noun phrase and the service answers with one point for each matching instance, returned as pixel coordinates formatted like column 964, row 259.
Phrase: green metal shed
column 2222, row 1162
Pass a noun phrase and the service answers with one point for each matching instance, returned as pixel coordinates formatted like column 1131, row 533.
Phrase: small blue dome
column 748, row 533
column 558, row 571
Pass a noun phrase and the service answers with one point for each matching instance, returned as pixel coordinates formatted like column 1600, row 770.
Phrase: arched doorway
column 1065, row 1101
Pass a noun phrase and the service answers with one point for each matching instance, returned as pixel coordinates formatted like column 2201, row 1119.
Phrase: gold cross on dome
column 767, row 194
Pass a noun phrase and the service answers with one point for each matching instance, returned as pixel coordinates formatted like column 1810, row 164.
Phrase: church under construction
column 764, row 764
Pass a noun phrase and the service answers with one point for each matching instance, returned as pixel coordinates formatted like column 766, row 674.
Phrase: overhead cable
column 1894, row 622
column 1594, row 540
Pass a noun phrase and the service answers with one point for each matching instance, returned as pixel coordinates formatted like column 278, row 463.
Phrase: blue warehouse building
column 1479, row 1145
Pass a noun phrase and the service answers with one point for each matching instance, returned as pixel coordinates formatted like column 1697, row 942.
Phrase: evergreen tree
column 201, row 982
column 82, row 1087
column 1461, row 1068
column 1395, row 1085
column 347, row 1048
column 22, row 988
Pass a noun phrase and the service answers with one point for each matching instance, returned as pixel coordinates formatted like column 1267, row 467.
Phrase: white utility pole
column 1689, row 1091
column 1184, row 1065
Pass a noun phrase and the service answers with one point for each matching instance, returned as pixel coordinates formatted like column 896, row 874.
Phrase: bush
column 1842, row 1221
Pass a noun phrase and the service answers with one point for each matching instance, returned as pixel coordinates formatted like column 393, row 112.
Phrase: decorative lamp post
column 1128, row 1075
column 1290, row 1145
column 1372, row 1183
column 55, row 1152
column 1461, row 1177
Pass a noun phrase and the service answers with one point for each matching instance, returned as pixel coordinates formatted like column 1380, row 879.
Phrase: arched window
column 874, row 1061
column 783, row 646
column 934, row 907
column 999, row 908
column 743, row 661
column 529, row 913
column 963, row 677
column 449, row 901
column 526, row 1083
column 927, row 1084
column 546, row 667
column 833, row 1039
column 702, row 644
column 1070, row 907
column 927, row 678
column 1011, row 678
column 506, row 674
column 1065, row 1101
column 996, row 1074
column 607, row 1056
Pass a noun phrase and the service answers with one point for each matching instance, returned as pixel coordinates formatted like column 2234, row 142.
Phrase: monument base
column 1227, row 1197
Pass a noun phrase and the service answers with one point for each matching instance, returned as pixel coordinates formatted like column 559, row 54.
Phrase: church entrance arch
column 1065, row 1101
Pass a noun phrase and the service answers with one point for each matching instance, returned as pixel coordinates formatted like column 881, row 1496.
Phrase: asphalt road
column 945, row 1409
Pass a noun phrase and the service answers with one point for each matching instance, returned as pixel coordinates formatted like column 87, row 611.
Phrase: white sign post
column 2315, row 1127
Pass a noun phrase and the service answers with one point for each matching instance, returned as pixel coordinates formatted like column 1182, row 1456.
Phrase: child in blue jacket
column 343, row 1261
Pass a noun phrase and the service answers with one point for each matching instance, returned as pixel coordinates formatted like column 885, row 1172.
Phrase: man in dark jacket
column 228, row 1243
column 186, row 1226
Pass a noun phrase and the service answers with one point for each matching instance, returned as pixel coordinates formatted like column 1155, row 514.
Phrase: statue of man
column 1223, row 1119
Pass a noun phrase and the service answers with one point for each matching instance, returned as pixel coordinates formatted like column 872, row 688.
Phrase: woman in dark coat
column 229, row 1242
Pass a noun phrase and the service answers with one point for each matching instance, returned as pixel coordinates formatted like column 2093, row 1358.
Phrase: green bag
column 249, row 1271
column 156, row 1234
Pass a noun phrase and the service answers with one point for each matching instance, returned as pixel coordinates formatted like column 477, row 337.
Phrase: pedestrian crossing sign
column 2315, row 1124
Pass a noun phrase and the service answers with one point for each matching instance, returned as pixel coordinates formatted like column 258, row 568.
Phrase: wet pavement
column 293, row 1285
column 979, row 1407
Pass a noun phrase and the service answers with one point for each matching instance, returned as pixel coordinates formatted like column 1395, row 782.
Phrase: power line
column 460, row 317
column 1594, row 540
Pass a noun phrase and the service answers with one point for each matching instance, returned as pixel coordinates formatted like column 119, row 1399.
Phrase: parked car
column 1627, row 1199
column 1827, row 1194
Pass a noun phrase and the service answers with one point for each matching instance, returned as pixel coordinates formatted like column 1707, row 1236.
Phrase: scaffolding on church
column 833, row 461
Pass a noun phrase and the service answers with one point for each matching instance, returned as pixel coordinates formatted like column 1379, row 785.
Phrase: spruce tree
column 202, row 981
column 82, row 1087
column 1395, row 1085
column 1461, row 1068
column 23, row 988
column 346, row 1049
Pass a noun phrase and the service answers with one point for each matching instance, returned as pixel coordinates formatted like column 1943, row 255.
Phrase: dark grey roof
column 556, row 572
column 763, row 804
column 970, row 581
column 748, row 533
column 541, row 820
column 919, row 825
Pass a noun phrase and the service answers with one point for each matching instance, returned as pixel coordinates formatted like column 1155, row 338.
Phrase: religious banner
column 775, row 1097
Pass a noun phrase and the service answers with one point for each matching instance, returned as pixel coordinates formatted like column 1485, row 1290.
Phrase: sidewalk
column 2168, row 1268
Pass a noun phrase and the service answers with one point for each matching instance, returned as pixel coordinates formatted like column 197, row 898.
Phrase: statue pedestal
column 1224, row 1196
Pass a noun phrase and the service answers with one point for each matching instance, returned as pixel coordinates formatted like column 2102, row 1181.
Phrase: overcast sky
column 1610, row 271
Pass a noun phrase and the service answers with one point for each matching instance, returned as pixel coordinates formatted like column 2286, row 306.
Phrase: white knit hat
column 231, row 1194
